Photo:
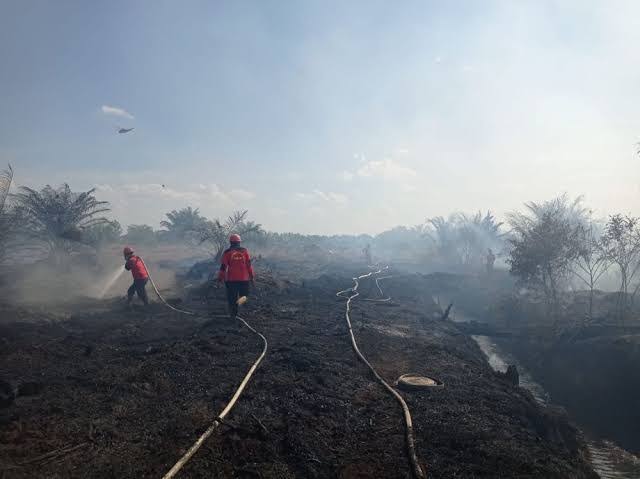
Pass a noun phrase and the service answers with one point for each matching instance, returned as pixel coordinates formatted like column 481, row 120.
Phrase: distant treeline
column 549, row 247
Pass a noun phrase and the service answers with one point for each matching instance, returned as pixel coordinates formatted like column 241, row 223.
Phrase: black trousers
column 236, row 289
column 138, row 286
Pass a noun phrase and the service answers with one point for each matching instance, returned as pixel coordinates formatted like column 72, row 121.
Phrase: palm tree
column 181, row 222
column 7, row 216
column 217, row 233
column 103, row 234
column 444, row 235
column 6, row 177
column 140, row 234
column 59, row 216
column 462, row 240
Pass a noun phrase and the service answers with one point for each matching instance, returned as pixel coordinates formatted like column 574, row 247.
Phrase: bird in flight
column 125, row 130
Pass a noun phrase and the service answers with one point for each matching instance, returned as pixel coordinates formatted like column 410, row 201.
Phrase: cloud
column 242, row 195
column 408, row 188
column 200, row 194
column 360, row 157
column 157, row 190
column 329, row 197
column 213, row 192
column 104, row 188
column 115, row 111
column 346, row 175
column 387, row 169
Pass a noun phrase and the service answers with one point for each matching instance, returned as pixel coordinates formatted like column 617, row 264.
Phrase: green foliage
column 216, row 233
column 6, row 177
column 462, row 240
column 58, row 216
column 103, row 233
column 182, row 223
column 546, row 241
column 398, row 238
column 8, row 215
column 140, row 235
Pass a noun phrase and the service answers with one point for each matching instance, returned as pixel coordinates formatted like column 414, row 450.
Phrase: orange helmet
column 127, row 250
column 235, row 238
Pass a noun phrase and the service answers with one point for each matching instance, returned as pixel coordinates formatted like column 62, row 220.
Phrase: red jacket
column 235, row 265
column 137, row 268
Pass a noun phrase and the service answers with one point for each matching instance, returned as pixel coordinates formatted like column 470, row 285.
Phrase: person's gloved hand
column 253, row 283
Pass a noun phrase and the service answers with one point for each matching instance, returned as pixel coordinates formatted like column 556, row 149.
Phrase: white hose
column 203, row 437
column 155, row 288
column 383, row 300
column 413, row 457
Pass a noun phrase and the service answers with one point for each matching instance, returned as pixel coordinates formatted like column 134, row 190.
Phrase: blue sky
column 320, row 116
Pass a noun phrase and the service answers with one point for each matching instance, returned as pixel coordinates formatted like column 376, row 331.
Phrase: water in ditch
column 607, row 459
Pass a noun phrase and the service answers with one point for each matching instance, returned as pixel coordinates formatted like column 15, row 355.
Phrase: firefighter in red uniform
column 236, row 272
column 140, row 276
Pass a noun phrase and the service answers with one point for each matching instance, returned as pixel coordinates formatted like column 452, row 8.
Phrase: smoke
column 81, row 277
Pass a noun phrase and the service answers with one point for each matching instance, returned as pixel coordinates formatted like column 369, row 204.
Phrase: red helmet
column 127, row 250
column 235, row 238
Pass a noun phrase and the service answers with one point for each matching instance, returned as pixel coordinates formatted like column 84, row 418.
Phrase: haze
column 321, row 117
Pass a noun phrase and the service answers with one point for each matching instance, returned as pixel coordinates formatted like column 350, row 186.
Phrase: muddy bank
column 608, row 459
column 595, row 378
column 592, row 369
column 123, row 394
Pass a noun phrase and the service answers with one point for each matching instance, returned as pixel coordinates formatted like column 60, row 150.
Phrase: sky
column 324, row 116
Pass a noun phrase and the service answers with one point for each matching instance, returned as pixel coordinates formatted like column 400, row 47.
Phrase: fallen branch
column 54, row 454
column 260, row 423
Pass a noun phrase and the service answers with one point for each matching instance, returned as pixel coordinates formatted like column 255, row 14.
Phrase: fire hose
column 155, row 288
column 236, row 395
column 411, row 449
column 203, row 437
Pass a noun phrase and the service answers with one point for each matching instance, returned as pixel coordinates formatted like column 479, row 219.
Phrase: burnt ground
column 105, row 392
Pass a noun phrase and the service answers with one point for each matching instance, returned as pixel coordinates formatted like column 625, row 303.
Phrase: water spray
column 112, row 280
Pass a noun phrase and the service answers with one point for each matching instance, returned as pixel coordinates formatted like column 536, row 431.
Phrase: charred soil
column 106, row 392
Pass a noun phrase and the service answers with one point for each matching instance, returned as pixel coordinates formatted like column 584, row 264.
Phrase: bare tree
column 216, row 233
column 621, row 246
column 544, row 245
column 591, row 263
column 59, row 216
